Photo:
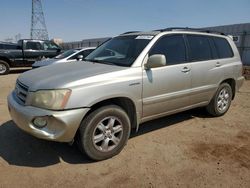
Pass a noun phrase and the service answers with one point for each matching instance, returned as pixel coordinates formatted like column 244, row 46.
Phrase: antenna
column 38, row 26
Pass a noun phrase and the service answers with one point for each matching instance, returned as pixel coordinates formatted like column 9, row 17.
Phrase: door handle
column 185, row 69
column 218, row 64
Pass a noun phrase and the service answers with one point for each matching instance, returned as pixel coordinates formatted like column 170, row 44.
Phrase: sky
column 75, row 20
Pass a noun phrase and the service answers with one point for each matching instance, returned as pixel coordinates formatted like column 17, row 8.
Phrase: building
column 241, row 34
column 84, row 43
column 58, row 41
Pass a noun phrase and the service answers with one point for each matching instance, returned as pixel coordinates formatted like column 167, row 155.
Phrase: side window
column 173, row 47
column 213, row 48
column 50, row 46
column 76, row 55
column 33, row 46
column 223, row 48
column 199, row 48
column 87, row 52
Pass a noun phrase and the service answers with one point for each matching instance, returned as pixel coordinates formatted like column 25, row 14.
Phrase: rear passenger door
column 207, row 67
column 166, row 89
column 32, row 51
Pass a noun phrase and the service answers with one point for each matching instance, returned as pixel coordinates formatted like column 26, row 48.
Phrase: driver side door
column 166, row 89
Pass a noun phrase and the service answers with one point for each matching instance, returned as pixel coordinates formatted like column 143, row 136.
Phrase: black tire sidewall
column 7, row 67
column 88, row 126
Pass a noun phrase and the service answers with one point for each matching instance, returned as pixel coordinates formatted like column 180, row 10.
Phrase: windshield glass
column 66, row 54
column 121, row 51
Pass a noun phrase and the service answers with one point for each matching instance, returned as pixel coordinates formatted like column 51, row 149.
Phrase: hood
column 62, row 75
column 45, row 62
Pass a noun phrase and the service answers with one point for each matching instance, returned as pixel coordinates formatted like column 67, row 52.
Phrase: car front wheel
column 104, row 132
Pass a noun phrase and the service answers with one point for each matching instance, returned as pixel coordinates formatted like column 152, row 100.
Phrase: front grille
column 21, row 91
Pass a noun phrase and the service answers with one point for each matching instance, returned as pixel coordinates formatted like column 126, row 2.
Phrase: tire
column 4, row 67
column 221, row 101
column 104, row 132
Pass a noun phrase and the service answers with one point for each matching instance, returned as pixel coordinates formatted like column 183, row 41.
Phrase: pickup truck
column 25, row 53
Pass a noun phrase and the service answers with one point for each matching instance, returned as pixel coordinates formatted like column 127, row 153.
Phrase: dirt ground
column 188, row 149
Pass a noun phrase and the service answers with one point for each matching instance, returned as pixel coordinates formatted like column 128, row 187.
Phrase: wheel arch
column 232, row 83
column 125, row 103
column 7, row 60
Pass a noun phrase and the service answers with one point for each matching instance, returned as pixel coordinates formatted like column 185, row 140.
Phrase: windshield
column 121, row 51
column 66, row 54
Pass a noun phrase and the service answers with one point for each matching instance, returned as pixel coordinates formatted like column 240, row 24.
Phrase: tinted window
column 223, row 48
column 33, row 45
column 85, row 53
column 199, row 48
column 173, row 47
column 213, row 48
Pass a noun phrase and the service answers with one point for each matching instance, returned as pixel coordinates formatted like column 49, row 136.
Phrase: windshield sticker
column 147, row 37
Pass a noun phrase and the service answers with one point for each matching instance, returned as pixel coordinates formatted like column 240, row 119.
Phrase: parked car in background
column 131, row 79
column 66, row 57
column 25, row 53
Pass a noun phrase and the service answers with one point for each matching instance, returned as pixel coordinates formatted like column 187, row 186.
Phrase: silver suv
column 130, row 79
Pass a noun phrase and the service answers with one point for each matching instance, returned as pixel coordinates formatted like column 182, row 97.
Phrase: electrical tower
column 38, row 26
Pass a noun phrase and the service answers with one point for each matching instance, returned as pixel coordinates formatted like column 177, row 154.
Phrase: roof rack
column 190, row 29
column 130, row 32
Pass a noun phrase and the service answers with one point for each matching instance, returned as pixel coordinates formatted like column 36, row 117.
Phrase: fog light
column 40, row 122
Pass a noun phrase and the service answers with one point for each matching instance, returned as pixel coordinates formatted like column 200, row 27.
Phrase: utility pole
column 38, row 26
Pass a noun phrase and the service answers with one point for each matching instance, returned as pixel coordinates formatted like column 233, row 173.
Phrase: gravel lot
column 188, row 149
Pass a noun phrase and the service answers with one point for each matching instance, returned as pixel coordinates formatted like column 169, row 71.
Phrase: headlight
column 49, row 99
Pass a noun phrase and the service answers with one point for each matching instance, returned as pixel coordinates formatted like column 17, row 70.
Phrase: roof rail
column 190, row 29
column 130, row 32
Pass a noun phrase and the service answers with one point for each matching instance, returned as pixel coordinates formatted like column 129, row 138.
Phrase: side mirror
column 157, row 60
column 79, row 57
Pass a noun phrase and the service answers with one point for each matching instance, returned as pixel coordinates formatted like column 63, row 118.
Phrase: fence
column 84, row 43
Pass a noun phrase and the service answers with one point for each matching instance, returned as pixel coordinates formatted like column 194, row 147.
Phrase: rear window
column 223, row 48
column 199, row 48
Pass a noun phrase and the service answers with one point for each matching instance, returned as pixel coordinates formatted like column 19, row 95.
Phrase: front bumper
column 61, row 125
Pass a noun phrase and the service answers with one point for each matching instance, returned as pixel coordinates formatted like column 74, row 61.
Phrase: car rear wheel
column 221, row 101
column 104, row 132
column 4, row 67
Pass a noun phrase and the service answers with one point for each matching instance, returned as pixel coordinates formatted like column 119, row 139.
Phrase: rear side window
column 173, row 47
column 223, row 48
column 199, row 48
column 33, row 46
